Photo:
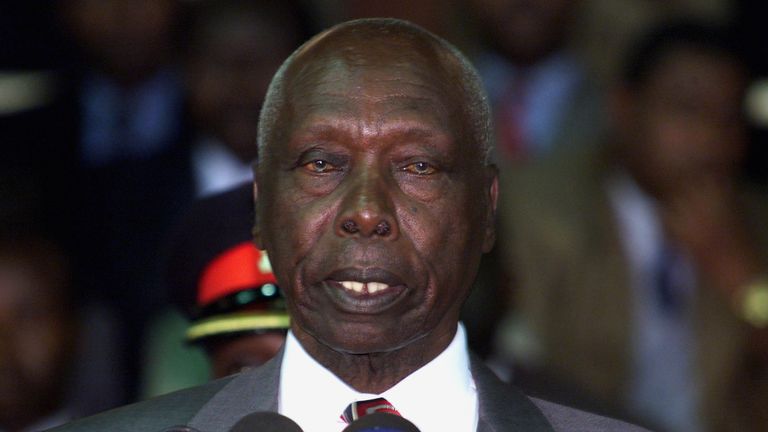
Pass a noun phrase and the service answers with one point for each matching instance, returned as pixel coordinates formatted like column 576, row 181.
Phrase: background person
column 122, row 122
column 635, row 258
column 39, row 331
column 543, row 97
column 232, row 49
column 234, row 315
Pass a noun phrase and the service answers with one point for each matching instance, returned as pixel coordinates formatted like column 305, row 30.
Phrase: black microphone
column 180, row 428
column 265, row 421
column 381, row 422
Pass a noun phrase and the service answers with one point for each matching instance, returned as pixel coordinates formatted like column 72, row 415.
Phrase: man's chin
column 371, row 343
column 358, row 341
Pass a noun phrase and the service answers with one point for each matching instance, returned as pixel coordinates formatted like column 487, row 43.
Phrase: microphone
column 381, row 422
column 265, row 421
column 180, row 428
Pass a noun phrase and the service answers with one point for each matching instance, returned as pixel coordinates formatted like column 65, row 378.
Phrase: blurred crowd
column 633, row 243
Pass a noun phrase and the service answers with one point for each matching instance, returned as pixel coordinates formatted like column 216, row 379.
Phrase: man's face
column 229, row 75
column 685, row 123
column 374, row 204
column 36, row 334
column 526, row 30
column 127, row 38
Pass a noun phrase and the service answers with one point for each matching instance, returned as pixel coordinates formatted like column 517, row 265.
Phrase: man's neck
column 375, row 372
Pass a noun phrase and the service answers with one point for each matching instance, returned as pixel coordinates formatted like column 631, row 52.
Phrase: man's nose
column 367, row 210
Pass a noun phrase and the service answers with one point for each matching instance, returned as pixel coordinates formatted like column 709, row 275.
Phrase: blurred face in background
column 229, row 70
column 525, row 30
column 684, row 122
column 127, row 39
column 35, row 340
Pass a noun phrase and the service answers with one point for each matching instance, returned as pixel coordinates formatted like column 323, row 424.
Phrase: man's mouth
column 364, row 290
column 364, row 287
column 359, row 297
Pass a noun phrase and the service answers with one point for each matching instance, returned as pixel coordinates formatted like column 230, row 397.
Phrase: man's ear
column 256, row 230
column 493, row 199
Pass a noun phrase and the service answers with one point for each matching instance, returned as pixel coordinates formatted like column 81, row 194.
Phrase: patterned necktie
column 355, row 410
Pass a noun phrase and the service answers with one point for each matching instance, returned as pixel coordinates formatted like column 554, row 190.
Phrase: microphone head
column 265, row 421
column 381, row 422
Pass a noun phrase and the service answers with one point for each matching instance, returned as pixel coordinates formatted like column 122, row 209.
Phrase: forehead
column 386, row 80
column 376, row 91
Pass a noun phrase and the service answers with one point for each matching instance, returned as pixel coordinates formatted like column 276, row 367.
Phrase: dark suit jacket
column 218, row 405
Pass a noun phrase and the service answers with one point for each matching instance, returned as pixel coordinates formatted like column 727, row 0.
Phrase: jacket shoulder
column 152, row 415
column 572, row 420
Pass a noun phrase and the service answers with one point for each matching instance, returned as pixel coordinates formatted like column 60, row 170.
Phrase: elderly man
column 375, row 201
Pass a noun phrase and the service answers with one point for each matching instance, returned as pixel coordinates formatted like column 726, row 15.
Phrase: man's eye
column 420, row 168
column 319, row 166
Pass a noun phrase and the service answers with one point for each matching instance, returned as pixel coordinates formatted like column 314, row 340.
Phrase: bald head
column 353, row 49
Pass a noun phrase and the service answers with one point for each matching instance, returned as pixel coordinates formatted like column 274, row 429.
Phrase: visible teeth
column 352, row 285
column 376, row 286
column 370, row 287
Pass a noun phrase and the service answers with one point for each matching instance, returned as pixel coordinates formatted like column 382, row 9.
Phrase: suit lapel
column 249, row 392
column 503, row 407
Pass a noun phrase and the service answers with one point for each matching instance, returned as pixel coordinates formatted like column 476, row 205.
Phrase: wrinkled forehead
column 397, row 70
column 362, row 52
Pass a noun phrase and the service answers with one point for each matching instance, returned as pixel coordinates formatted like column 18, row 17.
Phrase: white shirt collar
column 315, row 398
